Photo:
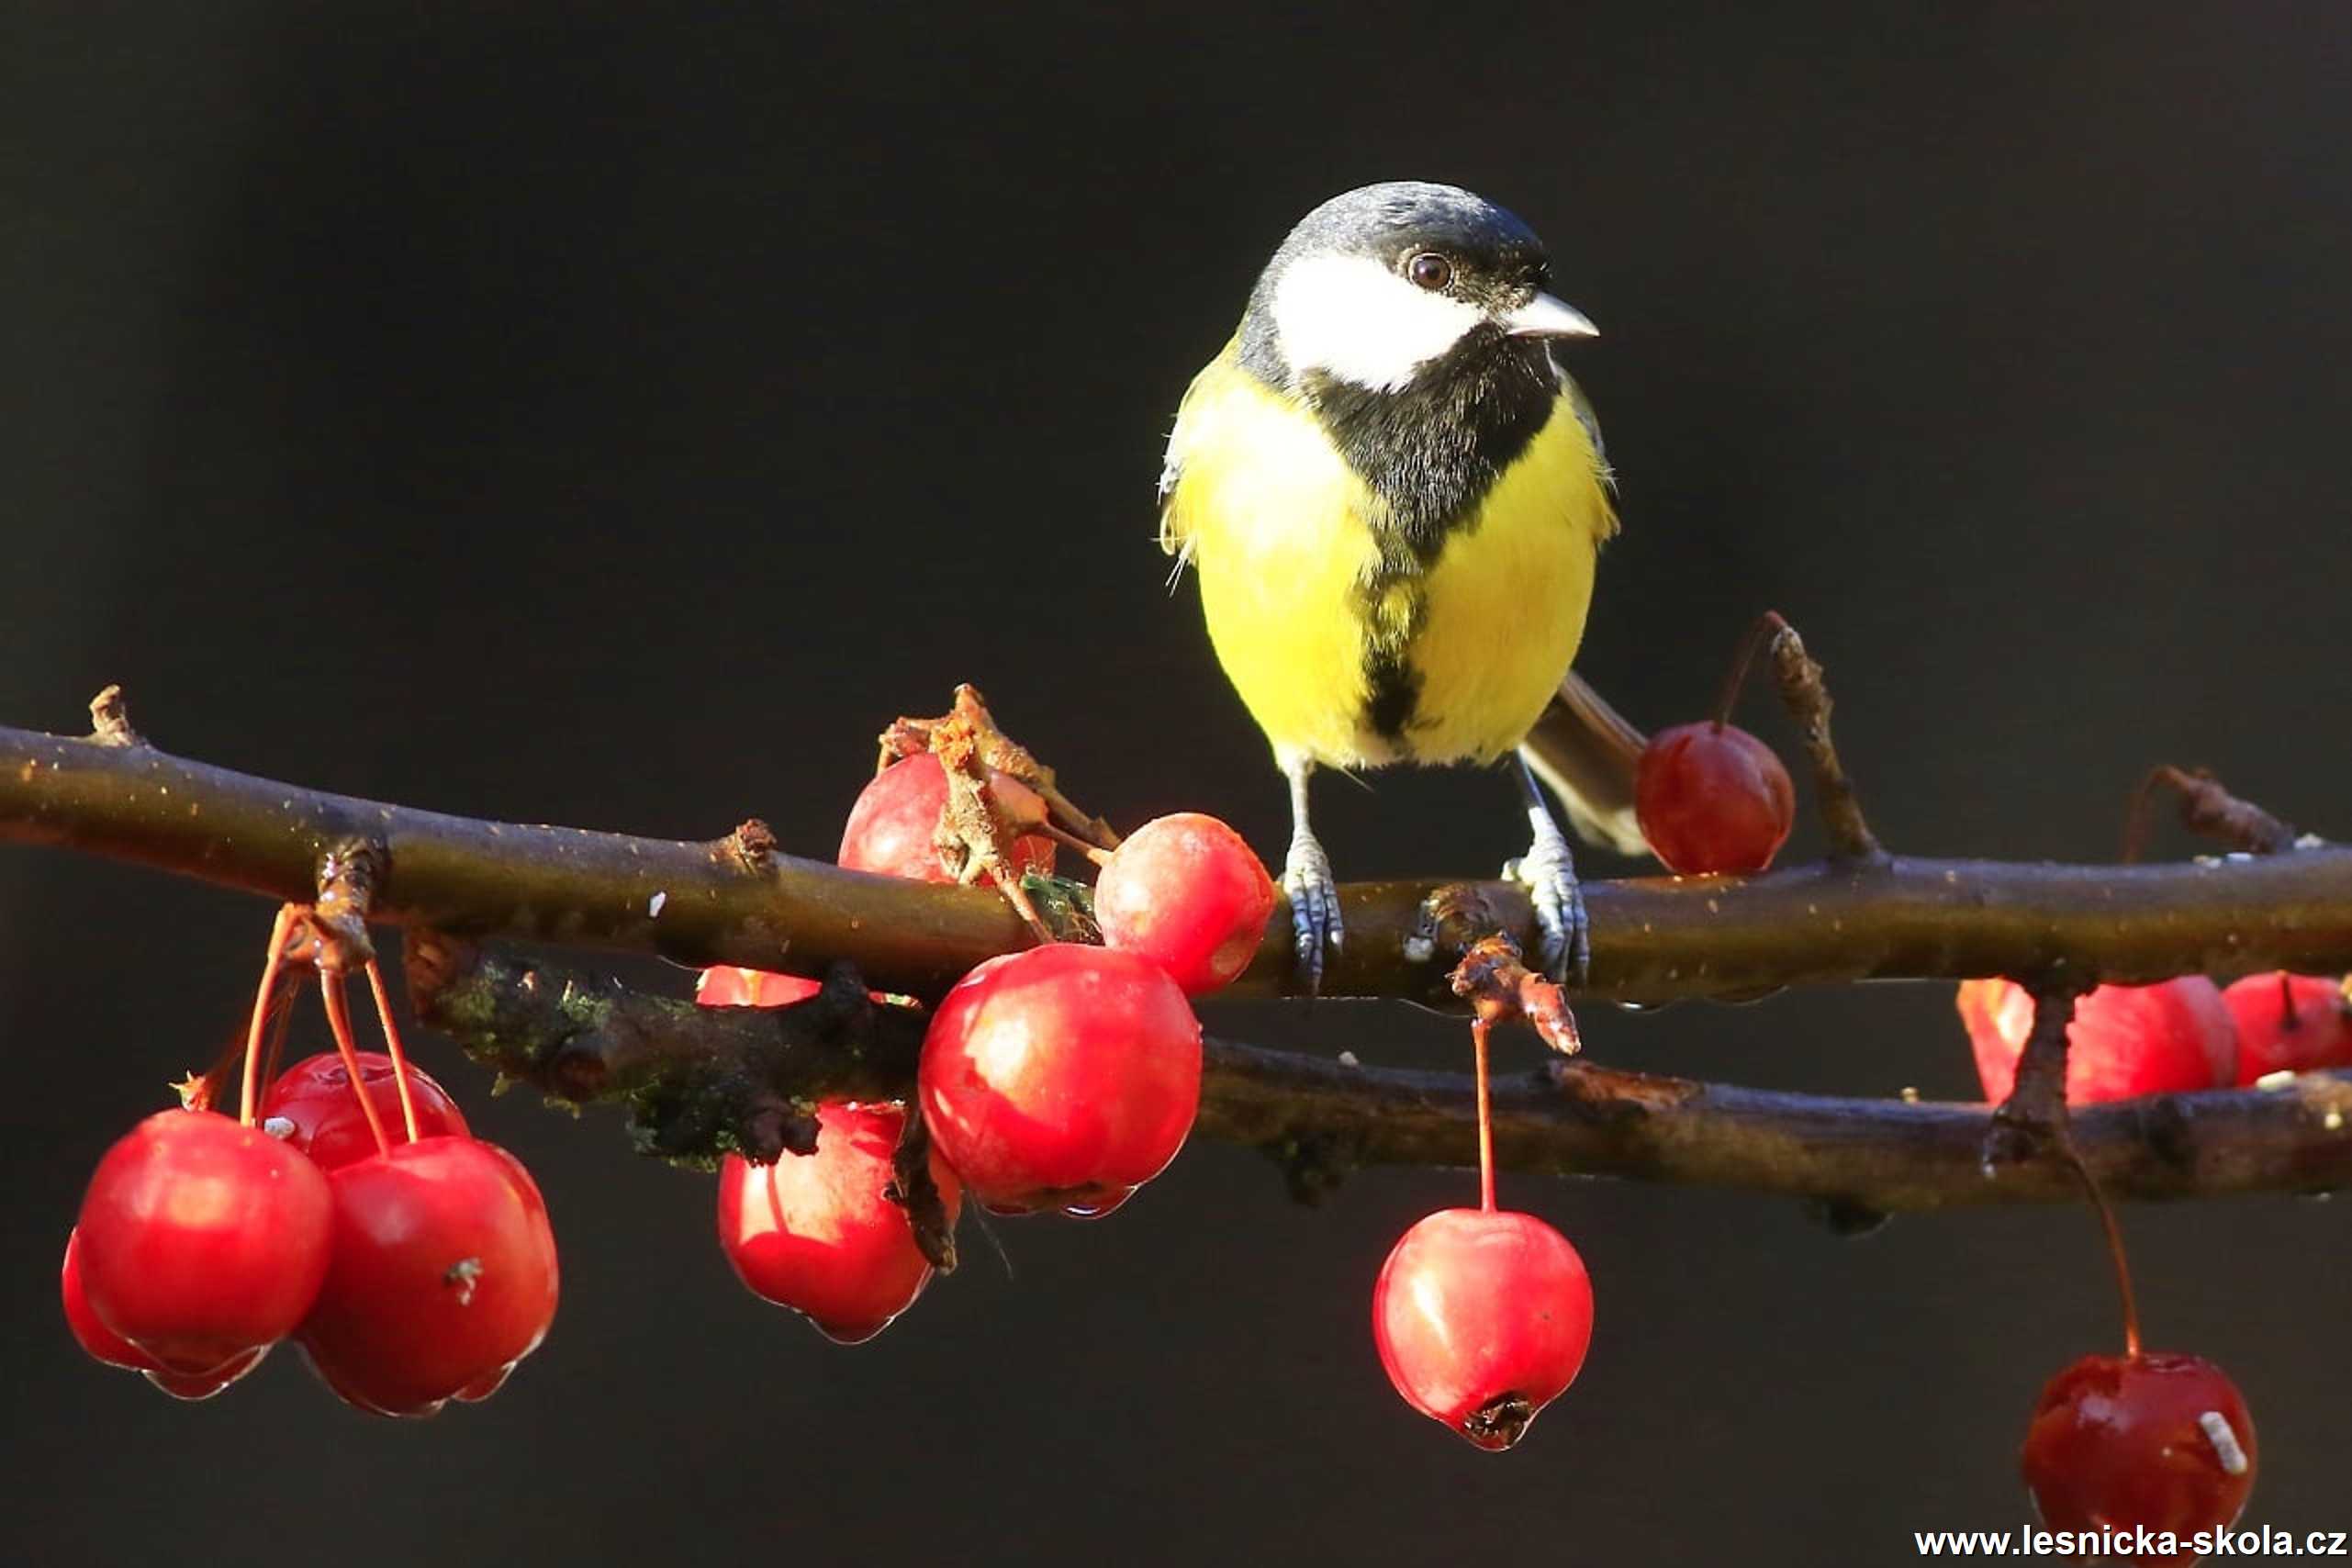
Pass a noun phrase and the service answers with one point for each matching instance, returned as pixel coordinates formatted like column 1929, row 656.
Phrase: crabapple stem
column 1767, row 626
column 392, row 1043
column 338, row 1019
column 1059, row 834
column 2114, row 1231
column 1478, row 1029
column 250, row 1093
column 281, row 1025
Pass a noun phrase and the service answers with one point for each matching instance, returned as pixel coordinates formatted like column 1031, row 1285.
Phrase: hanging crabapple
column 2155, row 1440
column 2289, row 1023
column 104, row 1344
column 201, row 1240
column 1483, row 1318
column 314, row 1096
column 1062, row 1077
column 894, row 826
column 443, row 1275
column 2124, row 1040
column 1187, row 893
column 101, row 1342
column 818, row 1233
column 1710, row 797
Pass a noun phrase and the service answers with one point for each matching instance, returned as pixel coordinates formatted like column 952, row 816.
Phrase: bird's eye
column 1430, row 271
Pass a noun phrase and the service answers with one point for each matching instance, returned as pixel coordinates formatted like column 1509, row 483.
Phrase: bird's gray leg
column 1549, row 873
column 1306, row 877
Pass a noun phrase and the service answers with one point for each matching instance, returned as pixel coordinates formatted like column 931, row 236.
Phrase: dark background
column 615, row 419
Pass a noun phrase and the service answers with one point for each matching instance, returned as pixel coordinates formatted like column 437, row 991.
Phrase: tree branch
column 701, row 1082
column 735, row 900
column 679, row 1066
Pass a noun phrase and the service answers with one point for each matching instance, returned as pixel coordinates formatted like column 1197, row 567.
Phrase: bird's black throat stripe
column 1430, row 453
column 1433, row 448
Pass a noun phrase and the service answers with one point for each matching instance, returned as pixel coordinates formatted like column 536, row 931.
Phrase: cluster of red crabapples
column 2182, row 1035
column 2152, row 1442
column 1062, row 1078
column 2148, row 1441
column 412, row 1268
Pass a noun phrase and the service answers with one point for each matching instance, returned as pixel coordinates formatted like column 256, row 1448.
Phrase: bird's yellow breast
column 1304, row 604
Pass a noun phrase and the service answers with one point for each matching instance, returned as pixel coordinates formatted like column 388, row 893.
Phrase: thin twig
column 1807, row 694
column 2206, row 809
column 2032, row 1120
column 914, row 1189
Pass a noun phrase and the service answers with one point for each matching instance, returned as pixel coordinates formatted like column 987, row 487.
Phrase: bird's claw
column 1548, row 871
column 1314, row 908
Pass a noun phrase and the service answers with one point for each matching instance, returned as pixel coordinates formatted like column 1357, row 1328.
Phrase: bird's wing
column 1175, row 535
column 1582, row 406
column 1588, row 752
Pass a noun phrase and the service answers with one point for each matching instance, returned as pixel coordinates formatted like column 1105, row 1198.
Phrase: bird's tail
column 1586, row 752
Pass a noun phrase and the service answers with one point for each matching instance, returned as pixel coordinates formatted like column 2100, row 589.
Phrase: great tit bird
column 1393, row 496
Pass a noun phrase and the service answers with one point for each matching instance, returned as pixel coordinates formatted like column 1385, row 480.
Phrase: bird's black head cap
column 1491, row 259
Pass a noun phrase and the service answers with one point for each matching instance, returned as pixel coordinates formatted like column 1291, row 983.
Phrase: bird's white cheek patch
column 1351, row 317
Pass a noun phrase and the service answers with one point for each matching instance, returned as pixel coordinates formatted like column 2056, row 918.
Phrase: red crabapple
column 727, row 985
column 1483, row 1318
column 2124, row 1040
column 443, row 1275
column 1187, row 893
column 2156, row 1442
column 2289, row 1023
column 815, row 1232
column 1710, row 797
column 314, row 1094
column 894, row 826
column 1061, row 1077
column 201, row 1240
column 101, row 1342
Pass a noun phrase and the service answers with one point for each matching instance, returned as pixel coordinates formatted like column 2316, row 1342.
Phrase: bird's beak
column 1544, row 317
